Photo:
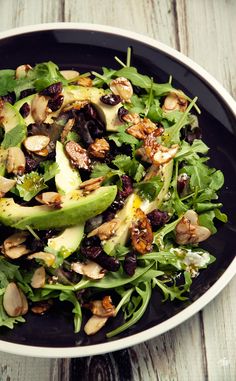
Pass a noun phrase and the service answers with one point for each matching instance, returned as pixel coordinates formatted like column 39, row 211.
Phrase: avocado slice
column 125, row 217
column 44, row 217
column 166, row 173
column 108, row 114
column 13, row 124
column 67, row 179
column 68, row 241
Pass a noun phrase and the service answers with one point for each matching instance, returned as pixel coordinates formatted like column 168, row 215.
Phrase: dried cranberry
column 52, row 90
column 56, row 103
column 107, row 262
column 91, row 247
column 110, row 99
column 10, row 98
column 25, row 110
column 157, row 218
column 122, row 112
column 26, row 93
column 130, row 263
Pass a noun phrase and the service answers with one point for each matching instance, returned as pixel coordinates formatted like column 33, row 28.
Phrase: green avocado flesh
column 44, row 217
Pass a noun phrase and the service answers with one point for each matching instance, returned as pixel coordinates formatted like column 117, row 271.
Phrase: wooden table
column 204, row 347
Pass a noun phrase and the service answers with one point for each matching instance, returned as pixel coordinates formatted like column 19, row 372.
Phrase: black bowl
column 89, row 48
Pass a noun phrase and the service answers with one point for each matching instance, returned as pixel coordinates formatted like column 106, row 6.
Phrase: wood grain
column 204, row 347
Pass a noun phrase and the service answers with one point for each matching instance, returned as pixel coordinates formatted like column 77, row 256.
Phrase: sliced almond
column 102, row 308
column 22, row 71
column 69, row 74
column 15, row 161
column 49, row 198
column 91, row 184
column 90, row 269
column 94, row 324
column 188, row 229
column 39, row 108
column 48, row 258
column 36, row 142
column 38, row 278
column 13, row 246
column 106, row 230
column 25, row 306
column 121, row 86
column 164, row 155
column 6, row 185
column 12, row 300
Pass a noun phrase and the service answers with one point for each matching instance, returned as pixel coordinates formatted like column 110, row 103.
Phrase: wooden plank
column 14, row 368
column 196, row 28
column 220, row 335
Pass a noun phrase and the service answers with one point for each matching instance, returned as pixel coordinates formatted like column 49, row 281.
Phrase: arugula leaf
column 71, row 297
column 132, row 75
column 8, row 272
column 131, row 167
column 161, row 233
column 217, row 180
column 174, row 292
column 206, row 219
column 29, row 185
column 188, row 150
column 122, row 137
column 144, row 291
column 14, row 137
column 148, row 190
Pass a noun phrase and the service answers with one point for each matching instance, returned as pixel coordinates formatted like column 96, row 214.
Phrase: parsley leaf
column 149, row 190
column 122, row 137
column 29, row 185
column 131, row 167
column 104, row 170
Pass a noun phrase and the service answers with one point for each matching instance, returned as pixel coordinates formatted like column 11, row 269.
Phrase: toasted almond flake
column 106, row 230
column 188, row 229
column 15, row 161
column 39, row 108
column 99, row 308
column 91, row 184
column 121, row 86
column 94, row 324
column 49, row 198
column 36, row 142
column 22, row 71
column 48, row 258
column 38, row 278
column 13, row 246
column 69, row 74
column 6, row 185
column 43, row 152
column 13, row 302
column 175, row 101
column 90, row 269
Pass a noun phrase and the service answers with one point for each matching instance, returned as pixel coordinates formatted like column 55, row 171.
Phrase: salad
column 105, row 194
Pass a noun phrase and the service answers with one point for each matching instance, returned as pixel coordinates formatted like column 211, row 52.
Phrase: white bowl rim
column 210, row 294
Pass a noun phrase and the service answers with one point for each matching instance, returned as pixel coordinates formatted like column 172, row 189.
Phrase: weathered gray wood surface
column 203, row 348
